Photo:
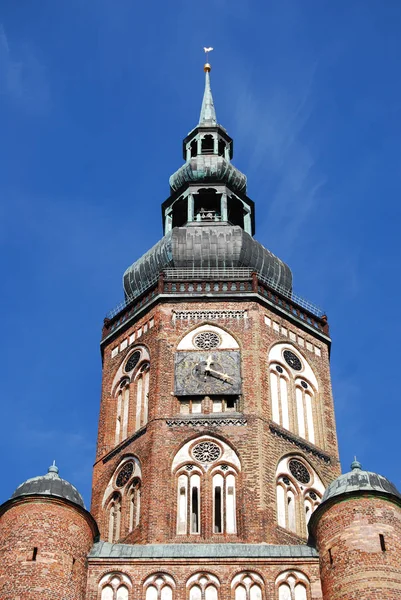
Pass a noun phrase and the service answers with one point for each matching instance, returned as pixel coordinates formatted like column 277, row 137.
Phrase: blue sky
column 95, row 98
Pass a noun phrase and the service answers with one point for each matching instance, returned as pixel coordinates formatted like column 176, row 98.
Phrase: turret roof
column 50, row 484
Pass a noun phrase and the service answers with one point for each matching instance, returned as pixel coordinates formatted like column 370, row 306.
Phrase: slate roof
column 50, row 484
column 205, row 246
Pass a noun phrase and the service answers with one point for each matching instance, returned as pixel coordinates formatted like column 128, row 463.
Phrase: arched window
column 203, row 586
column 115, row 586
column 207, row 144
column 299, row 491
column 142, row 396
column 122, row 410
column 122, row 498
column 131, row 387
column 134, row 503
column 159, row 587
column 247, row 586
column 294, row 393
column 206, row 473
column 114, row 517
column 292, row 585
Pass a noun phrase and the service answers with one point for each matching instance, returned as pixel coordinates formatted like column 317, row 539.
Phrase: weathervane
column 207, row 50
column 207, row 66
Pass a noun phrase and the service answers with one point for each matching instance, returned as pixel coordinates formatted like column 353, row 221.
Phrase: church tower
column 216, row 434
column 217, row 474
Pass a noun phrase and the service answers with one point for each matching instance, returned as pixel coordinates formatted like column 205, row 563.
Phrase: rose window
column 132, row 361
column 292, row 360
column 206, row 340
column 206, row 452
column 299, row 471
column 125, row 474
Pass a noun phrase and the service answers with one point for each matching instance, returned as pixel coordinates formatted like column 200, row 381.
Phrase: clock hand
column 224, row 376
column 209, row 362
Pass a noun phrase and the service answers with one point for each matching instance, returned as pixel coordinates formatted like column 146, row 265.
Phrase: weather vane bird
column 207, row 50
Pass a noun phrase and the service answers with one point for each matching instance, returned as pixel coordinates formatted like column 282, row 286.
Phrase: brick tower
column 357, row 529
column 45, row 537
column 216, row 433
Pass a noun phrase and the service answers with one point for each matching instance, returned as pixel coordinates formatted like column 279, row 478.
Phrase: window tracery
column 206, row 475
column 121, row 500
column 159, row 587
column 203, row 586
column 294, row 392
column 132, row 387
column 247, row 586
column 115, row 586
column 299, row 491
column 292, row 585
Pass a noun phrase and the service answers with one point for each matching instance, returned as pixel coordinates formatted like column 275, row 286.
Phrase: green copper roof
column 358, row 480
column 198, row 551
column 208, row 113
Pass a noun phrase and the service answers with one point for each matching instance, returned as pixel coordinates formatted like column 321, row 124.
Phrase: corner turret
column 357, row 529
column 45, row 536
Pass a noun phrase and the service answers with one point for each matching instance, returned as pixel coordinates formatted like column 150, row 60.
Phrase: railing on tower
column 229, row 280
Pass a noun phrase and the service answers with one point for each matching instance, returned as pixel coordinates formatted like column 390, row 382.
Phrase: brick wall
column 258, row 448
column 44, row 545
column 353, row 563
column 224, row 570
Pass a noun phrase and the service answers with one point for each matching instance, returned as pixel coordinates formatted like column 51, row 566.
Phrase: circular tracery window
column 299, row 471
column 132, row 361
column 206, row 452
column 207, row 340
column 292, row 360
column 125, row 474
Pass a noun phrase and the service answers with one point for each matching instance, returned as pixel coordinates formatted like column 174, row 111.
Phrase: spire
column 208, row 113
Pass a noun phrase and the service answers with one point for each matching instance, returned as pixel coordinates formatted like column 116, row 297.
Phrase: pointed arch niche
column 130, row 391
column 299, row 491
column 203, row 586
column 159, row 587
column 294, row 393
column 115, row 586
column 206, row 472
column 122, row 500
column 292, row 585
column 247, row 586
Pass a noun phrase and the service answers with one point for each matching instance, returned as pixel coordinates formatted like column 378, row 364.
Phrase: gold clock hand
column 224, row 376
column 209, row 362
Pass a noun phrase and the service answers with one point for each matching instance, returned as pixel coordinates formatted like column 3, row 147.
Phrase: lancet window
column 159, row 587
column 247, row 586
column 206, row 472
column 131, row 393
column 203, row 586
column 294, row 393
column 115, row 586
column 292, row 585
column 122, row 500
column 299, row 491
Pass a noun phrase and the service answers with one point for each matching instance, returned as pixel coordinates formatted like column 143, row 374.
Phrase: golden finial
column 207, row 66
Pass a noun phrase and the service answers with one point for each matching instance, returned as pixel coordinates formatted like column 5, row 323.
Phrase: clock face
column 207, row 373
